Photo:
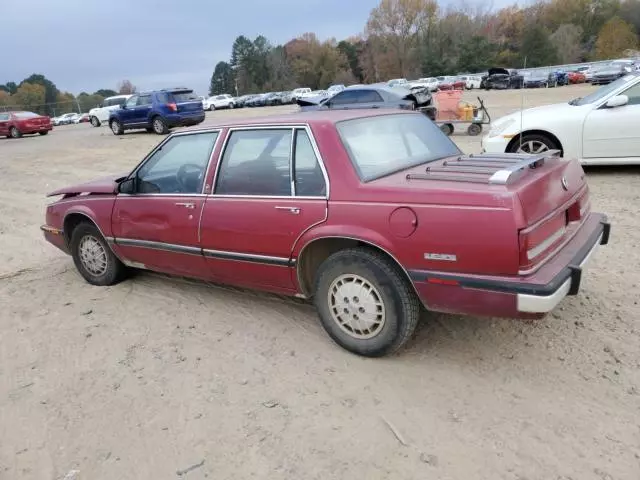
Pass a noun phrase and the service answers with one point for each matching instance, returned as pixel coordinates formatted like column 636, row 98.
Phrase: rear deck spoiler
column 494, row 169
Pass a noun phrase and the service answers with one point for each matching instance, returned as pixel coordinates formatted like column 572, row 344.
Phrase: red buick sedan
column 375, row 214
column 16, row 124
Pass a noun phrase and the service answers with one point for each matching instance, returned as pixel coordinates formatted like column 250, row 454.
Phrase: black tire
column 114, row 270
column 533, row 137
column 447, row 128
column 44, row 133
column 399, row 302
column 95, row 122
column 474, row 129
column 116, row 127
column 159, row 126
column 212, row 107
column 232, row 105
column 14, row 132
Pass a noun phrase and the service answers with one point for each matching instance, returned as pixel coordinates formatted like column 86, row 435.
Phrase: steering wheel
column 189, row 177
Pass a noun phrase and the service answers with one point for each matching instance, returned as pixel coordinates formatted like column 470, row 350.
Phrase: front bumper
column 497, row 144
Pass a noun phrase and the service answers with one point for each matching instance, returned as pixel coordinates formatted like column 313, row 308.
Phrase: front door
column 142, row 110
column 268, row 192
column 4, row 124
column 614, row 132
column 157, row 225
column 128, row 111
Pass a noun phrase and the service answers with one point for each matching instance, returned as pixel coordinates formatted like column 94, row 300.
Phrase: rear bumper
column 184, row 120
column 530, row 296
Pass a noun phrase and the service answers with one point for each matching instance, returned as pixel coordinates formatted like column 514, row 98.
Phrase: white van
column 100, row 114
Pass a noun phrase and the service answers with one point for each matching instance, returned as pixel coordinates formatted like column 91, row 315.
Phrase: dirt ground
column 160, row 378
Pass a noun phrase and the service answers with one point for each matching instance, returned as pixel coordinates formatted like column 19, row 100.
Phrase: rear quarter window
column 181, row 97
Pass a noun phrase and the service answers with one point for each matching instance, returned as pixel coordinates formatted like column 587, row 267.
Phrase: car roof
column 309, row 117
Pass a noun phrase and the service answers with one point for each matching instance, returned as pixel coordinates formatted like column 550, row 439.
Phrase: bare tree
column 568, row 42
column 125, row 87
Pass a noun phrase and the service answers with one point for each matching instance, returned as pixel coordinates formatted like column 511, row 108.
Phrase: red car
column 16, row 124
column 372, row 213
column 576, row 77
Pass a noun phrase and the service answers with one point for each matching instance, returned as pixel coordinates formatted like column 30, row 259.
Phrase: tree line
column 415, row 38
column 38, row 94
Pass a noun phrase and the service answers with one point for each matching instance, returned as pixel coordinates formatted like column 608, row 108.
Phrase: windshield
column 385, row 144
column 604, row 91
column 184, row 96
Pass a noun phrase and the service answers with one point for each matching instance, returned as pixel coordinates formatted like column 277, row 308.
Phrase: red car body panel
column 25, row 126
column 487, row 229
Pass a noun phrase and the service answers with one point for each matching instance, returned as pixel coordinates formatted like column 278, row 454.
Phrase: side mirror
column 123, row 106
column 127, row 186
column 99, row 105
column 617, row 101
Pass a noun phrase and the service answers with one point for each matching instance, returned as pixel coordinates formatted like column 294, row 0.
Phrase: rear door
column 270, row 188
column 4, row 124
column 368, row 99
column 128, row 112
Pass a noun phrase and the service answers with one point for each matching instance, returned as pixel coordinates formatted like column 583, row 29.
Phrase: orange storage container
column 447, row 103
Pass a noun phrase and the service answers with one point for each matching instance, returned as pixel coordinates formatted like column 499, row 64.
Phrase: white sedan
column 218, row 102
column 599, row 129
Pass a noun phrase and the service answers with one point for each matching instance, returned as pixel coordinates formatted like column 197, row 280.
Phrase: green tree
column 568, row 42
column 87, row 102
column 105, row 92
column 9, row 87
column 350, row 51
column 50, row 91
column 222, row 80
column 614, row 38
column 31, row 96
column 537, row 47
column 476, row 54
column 242, row 56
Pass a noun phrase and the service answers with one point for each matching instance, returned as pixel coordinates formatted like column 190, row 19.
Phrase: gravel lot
column 154, row 376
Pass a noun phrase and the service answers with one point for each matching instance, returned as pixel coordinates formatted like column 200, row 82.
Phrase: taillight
column 172, row 107
column 537, row 241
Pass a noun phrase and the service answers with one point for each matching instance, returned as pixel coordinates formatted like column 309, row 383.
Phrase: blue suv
column 158, row 111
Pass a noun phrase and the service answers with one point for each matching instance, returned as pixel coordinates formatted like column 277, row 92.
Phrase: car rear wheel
column 116, row 127
column 212, row 108
column 159, row 125
column 232, row 105
column 364, row 302
column 44, row 133
column 93, row 258
column 95, row 122
column 14, row 133
column 533, row 143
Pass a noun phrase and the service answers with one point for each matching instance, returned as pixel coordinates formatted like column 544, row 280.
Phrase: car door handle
column 186, row 204
column 293, row 210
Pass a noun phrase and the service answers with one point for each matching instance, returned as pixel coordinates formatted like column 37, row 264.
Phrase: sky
column 86, row 45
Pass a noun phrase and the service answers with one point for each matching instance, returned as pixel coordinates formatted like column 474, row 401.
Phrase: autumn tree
column 222, row 80
column 395, row 26
column 50, row 91
column 65, row 103
column 30, row 96
column 315, row 64
column 9, row 87
column 87, row 102
column 105, row 92
column 350, row 50
column 280, row 73
column 125, row 87
column 5, row 99
column 567, row 40
column 614, row 38
column 630, row 12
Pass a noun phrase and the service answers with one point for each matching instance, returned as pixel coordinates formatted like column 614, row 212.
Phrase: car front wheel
column 14, row 133
column 364, row 302
column 533, row 143
column 93, row 258
column 95, row 122
column 116, row 127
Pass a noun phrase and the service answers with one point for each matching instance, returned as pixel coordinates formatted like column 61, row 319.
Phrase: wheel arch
column 318, row 249
column 535, row 131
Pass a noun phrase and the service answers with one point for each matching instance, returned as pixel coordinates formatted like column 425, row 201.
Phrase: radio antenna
column 522, row 102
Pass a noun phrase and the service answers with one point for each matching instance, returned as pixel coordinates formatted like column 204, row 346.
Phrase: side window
column 4, row 117
column 256, row 162
column 179, row 166
column 634, row 94
column 144, row 100
column 309, row 181
column 369, row 96
column 344, row 98
column 132, row 101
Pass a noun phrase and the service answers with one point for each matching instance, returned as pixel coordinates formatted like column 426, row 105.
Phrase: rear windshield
column 385, row 144
column 184, row 96
column 25, row 115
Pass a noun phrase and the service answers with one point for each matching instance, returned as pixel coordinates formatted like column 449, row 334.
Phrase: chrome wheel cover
column 157, row 126
column 356, row 306
column 93, row 255
column 532, row 146
column 14, row 132
column 115, row 127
